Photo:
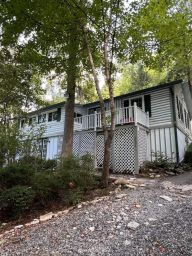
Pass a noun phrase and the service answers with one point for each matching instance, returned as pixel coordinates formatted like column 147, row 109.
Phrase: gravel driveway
column 163, row 227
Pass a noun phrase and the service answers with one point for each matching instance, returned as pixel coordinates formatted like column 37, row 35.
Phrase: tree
column 103, row 33
column 162, row 36
column 51, row 40
column 136, row 77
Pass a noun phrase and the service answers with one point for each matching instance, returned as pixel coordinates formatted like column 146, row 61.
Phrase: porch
column 123, row 116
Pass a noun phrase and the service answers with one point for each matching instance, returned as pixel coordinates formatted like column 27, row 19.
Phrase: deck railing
column 128, row 115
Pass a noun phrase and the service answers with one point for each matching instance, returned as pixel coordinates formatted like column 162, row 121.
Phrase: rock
column 186, row 188
column 152, row 219
column 160, row 205
column 34, row 222
column 18, row 227
column 127, row 242
column 133, row 225
column 167, row 198
column 130, row 186
column 157, row 176
column 79, row 206
column 46, row 217
column 92, row 229
column 121, row 181
column 137, row 205
column 4, row 224
column 170, row 173
column 142, row 185
column 121, row 196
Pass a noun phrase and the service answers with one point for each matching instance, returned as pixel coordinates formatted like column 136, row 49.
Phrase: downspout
column 175, row 123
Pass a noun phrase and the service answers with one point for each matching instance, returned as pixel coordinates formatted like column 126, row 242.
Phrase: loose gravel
column 163, row 227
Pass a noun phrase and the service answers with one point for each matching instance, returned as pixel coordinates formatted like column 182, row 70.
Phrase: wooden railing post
column 95, row 121
column 135, row 113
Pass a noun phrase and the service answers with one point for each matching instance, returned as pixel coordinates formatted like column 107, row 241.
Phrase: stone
column 46, row 217
column 142, row 185
column 133, row 225
column 167, row 198
column 160, row 205
column 157, row 176
column 130, row 186
column 127, row 242
column 18, row 227
column 121, row 181
column 92, row 229
column 121, row 196
column 171, row 173
column 152, row 219
column 34, row 222
column 186, row 188
column 79, row 206
column 137, row 205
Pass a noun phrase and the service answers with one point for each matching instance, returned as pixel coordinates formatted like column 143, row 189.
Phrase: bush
column 77, row 172
column 46, row 187
column 161, row 161
column 188, row 154
column 38, row 163
column 15, row 175
column 16, row 200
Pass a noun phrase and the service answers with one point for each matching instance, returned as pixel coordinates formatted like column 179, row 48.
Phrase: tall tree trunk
column 72, row 73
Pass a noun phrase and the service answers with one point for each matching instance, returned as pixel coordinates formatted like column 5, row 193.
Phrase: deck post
column 136, row 146
column 135, row 113
column 95, row 121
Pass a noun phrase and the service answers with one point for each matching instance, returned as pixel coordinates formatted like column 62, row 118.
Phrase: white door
column 52, row 148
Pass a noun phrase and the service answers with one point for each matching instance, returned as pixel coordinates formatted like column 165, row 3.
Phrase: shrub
column 188, row 154
column 77, row 172
column 161, row 161
column 73, row 196
column 15, row 175
column 38, row 163
column 16, row 200
column 46, row 187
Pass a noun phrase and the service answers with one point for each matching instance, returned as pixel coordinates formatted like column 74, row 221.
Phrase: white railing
column 123, row 116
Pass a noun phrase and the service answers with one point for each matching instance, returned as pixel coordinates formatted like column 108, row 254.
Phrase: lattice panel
column 76, row 141
column 124, row 150
column 142, row 145
column 87, row 143
column 100, row 151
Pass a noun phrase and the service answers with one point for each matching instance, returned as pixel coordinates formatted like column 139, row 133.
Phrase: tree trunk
column 72, row 73
column 67, row 146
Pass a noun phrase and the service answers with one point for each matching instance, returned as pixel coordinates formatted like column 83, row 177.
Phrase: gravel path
column 165, row 228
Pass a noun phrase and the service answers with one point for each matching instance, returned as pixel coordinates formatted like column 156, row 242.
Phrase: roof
column 143, row 91
column 146, row 90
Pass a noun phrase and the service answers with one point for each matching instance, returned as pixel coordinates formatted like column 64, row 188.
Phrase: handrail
column 125, row 115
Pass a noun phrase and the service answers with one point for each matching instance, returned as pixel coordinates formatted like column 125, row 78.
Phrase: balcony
column 129, row 115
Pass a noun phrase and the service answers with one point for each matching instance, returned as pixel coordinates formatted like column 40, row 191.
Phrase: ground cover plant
column 34, row 184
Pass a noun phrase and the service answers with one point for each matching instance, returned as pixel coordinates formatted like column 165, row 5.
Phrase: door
column 52, row 148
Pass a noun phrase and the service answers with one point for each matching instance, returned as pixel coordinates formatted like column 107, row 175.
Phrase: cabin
column 151, row 122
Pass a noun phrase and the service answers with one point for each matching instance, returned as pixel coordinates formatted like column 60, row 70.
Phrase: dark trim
column 131, row 94
column 175, row 124
column 150, row 89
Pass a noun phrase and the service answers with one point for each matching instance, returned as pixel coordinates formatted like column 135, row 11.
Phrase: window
column 182, row 113
column 138, row 101
column 77, row 115
column 41, row 118
column 55, row 115
column 52, row 116
column 43, row 148
column 92, row 110
column 32, row 120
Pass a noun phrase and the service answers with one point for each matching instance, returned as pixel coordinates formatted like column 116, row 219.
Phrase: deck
column 129, row 115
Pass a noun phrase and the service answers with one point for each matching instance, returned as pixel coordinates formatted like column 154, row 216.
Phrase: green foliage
column 16, row 200
column 77, row 171
column 161, row 161
column 188, row 154
column 136, row 77
column 73, row 197
column 37, row 163
column 46, row 187
column 15, row 175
